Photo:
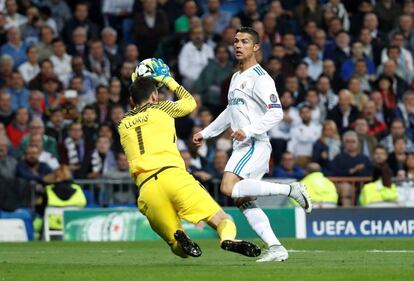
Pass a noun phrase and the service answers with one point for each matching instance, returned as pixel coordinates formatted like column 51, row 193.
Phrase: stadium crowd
column 343, row 71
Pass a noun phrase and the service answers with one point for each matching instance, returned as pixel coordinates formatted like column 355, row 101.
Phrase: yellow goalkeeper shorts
column 172, row 195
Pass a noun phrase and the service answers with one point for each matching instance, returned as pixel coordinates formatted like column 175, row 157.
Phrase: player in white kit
column 253, row 109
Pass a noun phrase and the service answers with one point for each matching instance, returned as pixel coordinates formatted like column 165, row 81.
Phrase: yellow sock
column 226, row 229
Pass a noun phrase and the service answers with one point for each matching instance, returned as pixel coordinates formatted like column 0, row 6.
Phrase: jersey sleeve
column 182, row 107
column 264, row 91
column 218, row 126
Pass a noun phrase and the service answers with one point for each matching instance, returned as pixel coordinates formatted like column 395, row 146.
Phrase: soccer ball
column 144, row 69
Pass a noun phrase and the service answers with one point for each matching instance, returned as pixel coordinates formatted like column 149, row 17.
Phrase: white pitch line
column 368, row 251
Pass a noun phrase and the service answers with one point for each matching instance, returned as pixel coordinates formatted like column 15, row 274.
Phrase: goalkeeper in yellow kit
column 167, row 192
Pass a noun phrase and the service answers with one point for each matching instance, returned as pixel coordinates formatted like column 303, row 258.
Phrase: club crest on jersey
column 273, row 98
column 243, row 85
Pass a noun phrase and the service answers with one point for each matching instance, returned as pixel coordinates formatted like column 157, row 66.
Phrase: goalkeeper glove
column 162, row 74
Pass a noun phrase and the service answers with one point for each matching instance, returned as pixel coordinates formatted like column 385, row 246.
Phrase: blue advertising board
column 360, row 222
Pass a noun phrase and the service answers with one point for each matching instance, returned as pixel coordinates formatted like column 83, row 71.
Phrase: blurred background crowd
column 343, row 71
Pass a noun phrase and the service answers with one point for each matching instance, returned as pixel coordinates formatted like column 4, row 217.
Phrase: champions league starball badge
column 273, row 98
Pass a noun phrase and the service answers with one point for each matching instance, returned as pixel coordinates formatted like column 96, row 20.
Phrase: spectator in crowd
column 314, row 61
column 357, row 18
column 116, row 114
column 288, row 168
column 387, row 11
column 327, row 97
column 405, row 24
column 6, row 110
column 344, row 113
column 98, row 62
column 19, row 93
column 30, row 168
column 150, row 26
column 70, row 105
column 45, row 45
column 55, row 127
column 271, row 28
column 308, row 10
column 403, row 70
column 13, row 18
column 341, row 52
column 293, row 55
column 361, row 73
column 318, row 113
column 211, row 77
column 115, row 93
column 367, row 142
column 249, row 14
column 358, row 97
column 219, row 163
column 61, row 12
column 111, row 48
column 19, row 127
column 45, row 156
column 350, row 162
column 309, row 31
column 102, row 106
column 194, row 55
column 348, row 66
column 7, row 163
column 406, row 58
column 121, row 171
column 380, row 155
column 265, row 43
column 409, row 164
column 6, row 69
column 31, row 67
column 405, row 112
column 326, row 148
column 46, row 70
column 385, row 88
column 31, row 29
column 79, row 46
column 221, row 18
column 74, row 149
column 131, row 54
column 80, row 18
column 51, row 91
column 371, row 23
column 329, row 70
column 339, row 11
column 397, row 130
column 89, row 123
column 376, row 128
column 36, row 106
column 396, row 159
column 383, row 113
column 190, row 9
column 292, row 86
column 14, row 47
column 303, row 136
column 36, row 127
column 322, row 189
column 398, row 83
column 61, row 61
column 302, row 73
column 99, row 160
column 116, row 13
column 372, row 48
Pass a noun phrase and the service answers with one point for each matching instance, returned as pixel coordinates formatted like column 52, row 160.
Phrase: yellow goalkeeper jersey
column 148, row 134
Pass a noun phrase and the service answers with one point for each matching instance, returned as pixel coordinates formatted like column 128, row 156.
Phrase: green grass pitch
column 322, row 259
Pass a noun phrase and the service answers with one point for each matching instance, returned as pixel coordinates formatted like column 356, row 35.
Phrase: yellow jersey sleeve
column 182, row 107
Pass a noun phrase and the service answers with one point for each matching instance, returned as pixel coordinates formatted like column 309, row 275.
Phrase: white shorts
column 250, row 161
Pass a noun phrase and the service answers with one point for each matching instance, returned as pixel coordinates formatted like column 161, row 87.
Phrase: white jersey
column 253, row 106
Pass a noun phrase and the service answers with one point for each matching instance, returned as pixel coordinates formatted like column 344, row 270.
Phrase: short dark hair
column 141, row 89
column 252, row 32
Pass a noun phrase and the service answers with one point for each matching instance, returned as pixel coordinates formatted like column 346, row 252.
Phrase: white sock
column 259, row 223
column 251, row 187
